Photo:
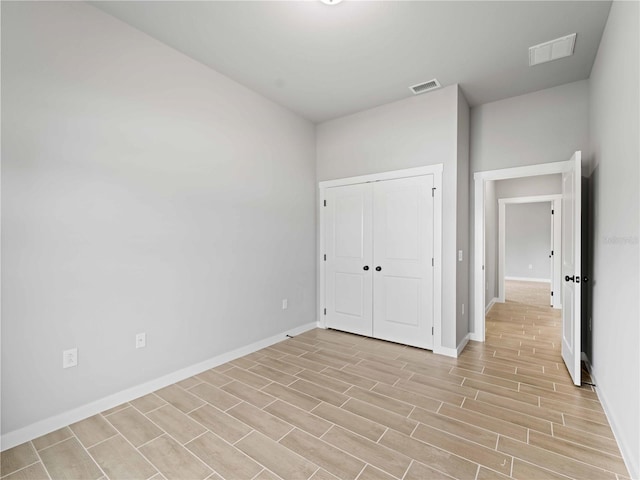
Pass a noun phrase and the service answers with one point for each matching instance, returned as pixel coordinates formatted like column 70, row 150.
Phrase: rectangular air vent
column 552, row 50
column 425, row 87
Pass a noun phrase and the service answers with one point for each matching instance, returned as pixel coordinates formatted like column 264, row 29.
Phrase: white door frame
column 436, row 171
column 480, row 179
column 502, row 236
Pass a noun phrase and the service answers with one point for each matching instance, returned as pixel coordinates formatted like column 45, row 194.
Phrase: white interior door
column 348, row 272
column 571, row 261
column 402, row 257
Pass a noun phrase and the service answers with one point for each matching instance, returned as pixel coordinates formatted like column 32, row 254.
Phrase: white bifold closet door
column 379, row 267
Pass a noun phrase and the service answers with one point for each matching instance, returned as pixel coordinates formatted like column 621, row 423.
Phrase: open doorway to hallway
column 485, row 198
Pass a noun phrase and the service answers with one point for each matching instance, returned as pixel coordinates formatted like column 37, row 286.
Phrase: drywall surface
column 414, row 132
column 540, row 127
column 490, row 242
column 528, row 240
column 614, row 128
column 529, row 186
column 141, row 192
column 462, row 221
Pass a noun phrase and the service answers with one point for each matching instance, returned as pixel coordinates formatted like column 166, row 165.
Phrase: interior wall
column 141, row 192
column 490, row 243
column 462, row 220
column 414, row 132
column 614, row 127
column 528, row 240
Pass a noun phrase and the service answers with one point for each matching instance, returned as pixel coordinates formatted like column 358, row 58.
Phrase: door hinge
column 431, row 330
column 552, row 211
column 325, row 203
column 325, row 311
column 552, row 294
column 325, row 257
column 432, row 262
column 551, row 252
column 433, row 189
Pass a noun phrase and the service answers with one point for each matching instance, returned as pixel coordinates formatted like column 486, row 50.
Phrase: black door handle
column 378, row 268
column 366, row 267
column 568, row 278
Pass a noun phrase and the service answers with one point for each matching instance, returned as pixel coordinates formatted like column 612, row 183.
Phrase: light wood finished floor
column 528, row 293
column 329, row 405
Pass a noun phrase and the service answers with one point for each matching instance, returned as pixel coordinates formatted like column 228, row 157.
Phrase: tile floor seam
column 49, row 446
column 560, row 455
column 24, row 467
column 137, row 449
column 89, row 454
column 104, row 439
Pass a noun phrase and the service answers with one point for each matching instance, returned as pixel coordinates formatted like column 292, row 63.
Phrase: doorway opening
column 570, row 255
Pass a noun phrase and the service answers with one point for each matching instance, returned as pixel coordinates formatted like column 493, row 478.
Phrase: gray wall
column 141, row 191
column 414, row 132
column 462, row 219
column 490, row 243
column 528, row 240
column 614, row 101
column 529, row 186
column 540, row 127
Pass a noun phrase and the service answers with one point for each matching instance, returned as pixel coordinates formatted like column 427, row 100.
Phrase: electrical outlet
column 285, row 303
column 141, row 340
column 70, row 358
column 530, row 267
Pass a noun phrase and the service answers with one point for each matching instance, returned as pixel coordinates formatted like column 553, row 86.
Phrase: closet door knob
column 366, row 267
column 378, row 268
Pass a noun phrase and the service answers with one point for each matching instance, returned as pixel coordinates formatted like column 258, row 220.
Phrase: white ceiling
column 325, row 61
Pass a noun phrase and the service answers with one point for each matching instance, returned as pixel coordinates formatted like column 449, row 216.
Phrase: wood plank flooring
column 328, row 405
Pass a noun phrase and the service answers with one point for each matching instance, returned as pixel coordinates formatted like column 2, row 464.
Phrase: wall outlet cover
column 70, row 358
column 141, row 340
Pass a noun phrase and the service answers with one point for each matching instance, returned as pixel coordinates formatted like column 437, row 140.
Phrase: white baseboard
column 453, row 352
column 527, row 279
column 493, row 301
column 42, row 427
column 463, row 344
column 627, row 455
column 476, row 337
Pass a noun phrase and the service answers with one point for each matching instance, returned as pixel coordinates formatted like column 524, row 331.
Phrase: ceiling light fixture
column 552, row 50
column 331, row 2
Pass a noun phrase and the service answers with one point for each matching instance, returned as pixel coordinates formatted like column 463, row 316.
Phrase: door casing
column 480, row 179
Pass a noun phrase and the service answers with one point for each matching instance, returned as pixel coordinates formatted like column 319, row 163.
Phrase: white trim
column 502, row 235
column 376, row 177
column 492, row 302
column 478, row 242
column 527, row 279
column 454, row 352
column 518, row 172
column 627, row 455
column 436, row 171
column 42, row 427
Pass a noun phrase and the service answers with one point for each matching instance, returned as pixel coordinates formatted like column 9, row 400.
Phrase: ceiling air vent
column 552, row 50
column 425, row 87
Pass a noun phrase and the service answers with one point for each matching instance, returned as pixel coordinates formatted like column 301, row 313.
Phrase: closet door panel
column 402, row 257
column 348, row 230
